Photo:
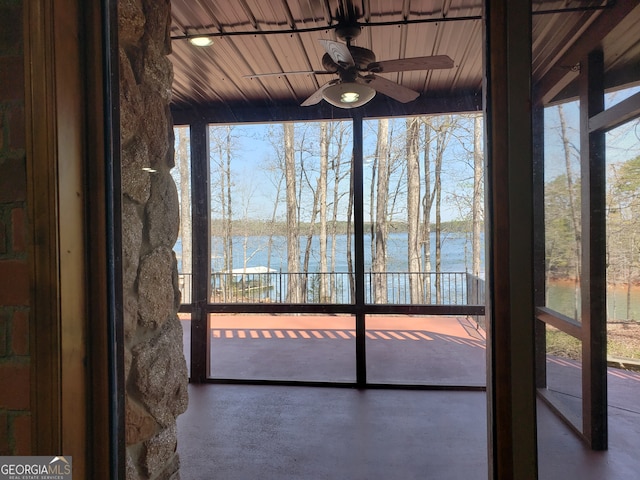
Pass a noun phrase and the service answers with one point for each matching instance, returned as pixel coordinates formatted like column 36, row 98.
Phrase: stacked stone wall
column 155, row 368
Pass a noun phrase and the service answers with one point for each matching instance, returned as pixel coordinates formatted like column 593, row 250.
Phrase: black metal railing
column 432, row 288
column 185, row 284
column 395, row 288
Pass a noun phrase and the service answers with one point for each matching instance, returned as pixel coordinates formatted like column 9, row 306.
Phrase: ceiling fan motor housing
column 347, row 31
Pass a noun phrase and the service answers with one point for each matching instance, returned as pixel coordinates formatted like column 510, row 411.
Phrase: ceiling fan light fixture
column 349, row 97
column 201, row 41
column 348, row 94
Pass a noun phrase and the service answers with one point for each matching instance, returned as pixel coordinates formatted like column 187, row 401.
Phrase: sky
column 255, row 180
column 622, row 143
column 254, row 156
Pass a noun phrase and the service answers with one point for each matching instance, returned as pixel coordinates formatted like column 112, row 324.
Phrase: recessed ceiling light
column 201, row 41
column 149, row 169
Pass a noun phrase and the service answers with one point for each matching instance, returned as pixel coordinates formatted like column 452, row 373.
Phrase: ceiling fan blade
column 338, row 52
column 295, row 72
column 316, row 96
column 391, row 89
column 414, row 63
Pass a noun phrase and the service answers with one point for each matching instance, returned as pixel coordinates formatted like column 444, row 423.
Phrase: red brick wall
column 15, row 391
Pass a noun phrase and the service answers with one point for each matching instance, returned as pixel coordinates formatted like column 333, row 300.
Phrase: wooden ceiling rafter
column 256, row 37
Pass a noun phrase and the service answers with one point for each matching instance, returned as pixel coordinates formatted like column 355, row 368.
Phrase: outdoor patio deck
column 277, row 432
column 400, row 349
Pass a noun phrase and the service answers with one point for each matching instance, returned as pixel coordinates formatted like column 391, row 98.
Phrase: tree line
column 417, row 171
column 422, row 175
column 258, row 227
column 563, row 224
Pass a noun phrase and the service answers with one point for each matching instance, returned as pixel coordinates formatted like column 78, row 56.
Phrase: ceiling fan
column 357, row 70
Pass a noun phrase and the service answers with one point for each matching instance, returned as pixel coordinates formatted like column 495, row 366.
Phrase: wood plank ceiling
column 257, row 36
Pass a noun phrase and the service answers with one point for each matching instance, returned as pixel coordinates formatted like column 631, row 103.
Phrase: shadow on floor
column 276, row 432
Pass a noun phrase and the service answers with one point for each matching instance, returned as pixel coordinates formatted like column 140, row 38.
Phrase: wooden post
column 511, row 400
column 594, row 274
column 201, row 260
column 358, row 230
column 539, row 252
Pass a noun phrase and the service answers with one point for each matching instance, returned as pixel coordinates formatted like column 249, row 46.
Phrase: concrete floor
column 243, row 432
column 261, row 432
column 400, row 349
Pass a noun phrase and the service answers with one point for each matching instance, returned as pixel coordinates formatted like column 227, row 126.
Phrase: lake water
column 561, row 296
column 253, row 251
column 456, row 257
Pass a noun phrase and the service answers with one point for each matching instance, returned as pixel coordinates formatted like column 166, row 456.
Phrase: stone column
column 155, row 368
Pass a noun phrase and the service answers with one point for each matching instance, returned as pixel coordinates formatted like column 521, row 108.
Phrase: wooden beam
column 539, row 244
column 511, row 382
column 593, row 281
column 559, row 76
column 347, row 309
column 563, row 323
column 42, row 185
column 615, row 116
column 378, row 108
column 200, row 202
column 615, row 79
column 65, row 151
column 105, row 342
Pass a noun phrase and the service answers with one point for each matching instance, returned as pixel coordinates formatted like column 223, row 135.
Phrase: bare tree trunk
column 185, row 201
column 574, row 211
column 293, row 248
column 277, row 169
column 229, row 228
column 630, row 270
column 437, row 187
column 224, row 194
column 398, row 166
column 273, row 221
column 322, row 195
column 629, row 284
column 184, row 171
column 379, row 259
column 372, row 199
column 427, row 201
column 223, row 206
column 304, row 281
column 337, row 166
column 413, row 210
column 352, row 280
column 477, row 206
